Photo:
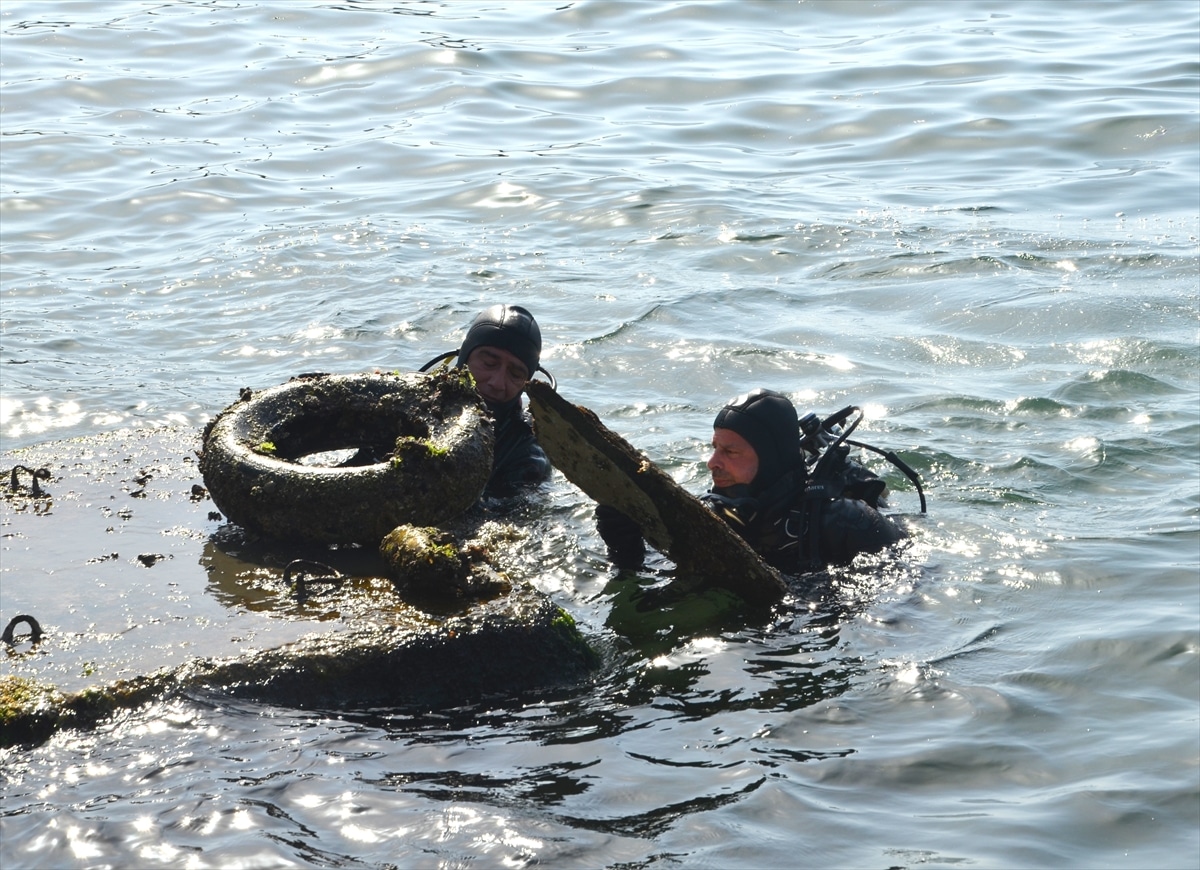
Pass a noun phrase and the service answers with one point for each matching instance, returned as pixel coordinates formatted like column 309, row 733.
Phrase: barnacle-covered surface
column 435, row 562
column 142, row 587
column 419, row 445
column 605, row 466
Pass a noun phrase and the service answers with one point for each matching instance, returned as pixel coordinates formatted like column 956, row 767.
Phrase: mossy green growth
column 267, row 447
column 98, row 703
column 406, row 444
column 567, row 628
column 465, row 377
column 20, row 696
column 425, row 557
column 29, row 711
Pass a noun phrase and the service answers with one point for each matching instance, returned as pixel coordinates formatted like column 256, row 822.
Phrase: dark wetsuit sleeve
column 851, row 527
column 518, row 460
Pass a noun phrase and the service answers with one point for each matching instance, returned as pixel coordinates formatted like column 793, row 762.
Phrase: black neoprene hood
column 768, row 421
column 509, row 327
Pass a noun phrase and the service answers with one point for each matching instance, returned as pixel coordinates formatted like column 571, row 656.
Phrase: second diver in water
column 799, row 518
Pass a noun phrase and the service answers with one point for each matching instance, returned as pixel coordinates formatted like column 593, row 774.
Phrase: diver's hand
column 622, row 536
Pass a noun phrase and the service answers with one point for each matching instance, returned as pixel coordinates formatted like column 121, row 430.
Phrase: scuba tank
column 825, row 448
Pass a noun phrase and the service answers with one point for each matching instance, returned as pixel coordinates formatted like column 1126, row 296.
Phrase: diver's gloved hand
column 622, row 535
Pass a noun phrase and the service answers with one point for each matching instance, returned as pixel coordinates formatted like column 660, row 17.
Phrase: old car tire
column 428, row 439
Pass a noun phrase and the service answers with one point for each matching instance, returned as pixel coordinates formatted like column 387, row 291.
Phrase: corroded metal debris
column 421, row 445
column 220, row 613
column 606, row 467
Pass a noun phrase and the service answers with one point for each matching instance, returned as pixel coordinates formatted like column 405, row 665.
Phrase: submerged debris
column 35, row 628
column 306, row 571
column 515, row 643
column 420, row 452
column 34, row 476
column 429, row 561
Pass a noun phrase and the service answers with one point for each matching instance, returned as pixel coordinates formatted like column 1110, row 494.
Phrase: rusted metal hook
column 9, row 636
column 34, row 476
column 316, row 572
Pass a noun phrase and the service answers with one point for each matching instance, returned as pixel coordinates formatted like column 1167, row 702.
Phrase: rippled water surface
column 976, row 220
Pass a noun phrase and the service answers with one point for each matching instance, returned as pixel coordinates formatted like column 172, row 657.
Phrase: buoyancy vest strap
column 816, row 497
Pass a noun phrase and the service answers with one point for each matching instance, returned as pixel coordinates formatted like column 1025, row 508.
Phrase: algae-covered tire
column 429, row 436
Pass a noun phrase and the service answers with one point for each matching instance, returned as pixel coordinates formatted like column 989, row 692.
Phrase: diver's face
column 499, row 375
column 733, row 460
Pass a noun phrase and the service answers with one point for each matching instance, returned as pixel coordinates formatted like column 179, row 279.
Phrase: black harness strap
column 899, row 463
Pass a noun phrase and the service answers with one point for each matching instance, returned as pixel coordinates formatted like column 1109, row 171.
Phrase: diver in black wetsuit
column 502, row 350
column 799, row 519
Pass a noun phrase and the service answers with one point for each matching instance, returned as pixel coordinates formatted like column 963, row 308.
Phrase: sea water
column 977, row 221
